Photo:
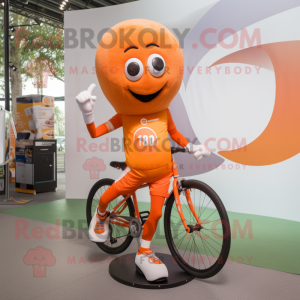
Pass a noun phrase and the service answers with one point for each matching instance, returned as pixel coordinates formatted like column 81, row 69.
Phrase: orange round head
column 139, row 65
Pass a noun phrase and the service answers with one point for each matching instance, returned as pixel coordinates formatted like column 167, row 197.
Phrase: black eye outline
column 152, row 71
column 141, row 70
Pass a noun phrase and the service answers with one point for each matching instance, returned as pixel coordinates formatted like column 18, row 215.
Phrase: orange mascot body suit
column 139, row 67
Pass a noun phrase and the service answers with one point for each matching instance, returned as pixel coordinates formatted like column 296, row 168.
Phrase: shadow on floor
column 38, row 198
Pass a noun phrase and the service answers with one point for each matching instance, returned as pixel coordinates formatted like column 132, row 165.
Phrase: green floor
column 266, row 242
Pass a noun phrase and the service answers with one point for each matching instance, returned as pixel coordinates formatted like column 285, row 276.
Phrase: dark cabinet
column 44, row 160
column 36, row 166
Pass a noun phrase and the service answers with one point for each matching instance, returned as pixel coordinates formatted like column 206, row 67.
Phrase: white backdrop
column 218, row 106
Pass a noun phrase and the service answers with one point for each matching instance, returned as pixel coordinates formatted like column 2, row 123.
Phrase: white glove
column 199, row 151
column 86, row 103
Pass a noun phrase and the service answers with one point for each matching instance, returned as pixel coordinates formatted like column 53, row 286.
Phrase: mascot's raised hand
column 86, row 103
column 198, row 151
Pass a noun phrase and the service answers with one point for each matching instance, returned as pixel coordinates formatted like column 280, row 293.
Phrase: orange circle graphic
column 145, row 140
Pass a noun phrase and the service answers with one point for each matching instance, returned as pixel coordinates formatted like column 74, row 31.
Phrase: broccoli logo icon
column 94, row 166
column 39, row 258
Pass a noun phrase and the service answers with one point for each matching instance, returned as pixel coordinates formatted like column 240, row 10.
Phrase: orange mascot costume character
column 139, row 75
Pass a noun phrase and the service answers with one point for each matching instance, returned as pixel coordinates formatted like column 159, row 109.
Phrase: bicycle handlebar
column 177, row 149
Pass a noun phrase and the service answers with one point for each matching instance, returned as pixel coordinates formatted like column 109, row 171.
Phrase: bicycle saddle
column 118, row 164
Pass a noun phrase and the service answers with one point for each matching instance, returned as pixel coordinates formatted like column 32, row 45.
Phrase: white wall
column 217, row 106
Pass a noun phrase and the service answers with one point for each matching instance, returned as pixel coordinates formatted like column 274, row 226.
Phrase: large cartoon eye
column 134, row 69
column 156, row 65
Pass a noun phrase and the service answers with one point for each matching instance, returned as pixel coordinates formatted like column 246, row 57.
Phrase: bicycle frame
column 125, row 223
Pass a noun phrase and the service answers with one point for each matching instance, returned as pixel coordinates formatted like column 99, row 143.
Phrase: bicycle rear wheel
column 121, row 238
column 203, row 252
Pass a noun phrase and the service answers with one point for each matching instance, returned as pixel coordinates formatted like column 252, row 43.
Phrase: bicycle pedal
column 113, row 241
column 144, row 216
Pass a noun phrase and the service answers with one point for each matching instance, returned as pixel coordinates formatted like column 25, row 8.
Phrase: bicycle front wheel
column 204, row 251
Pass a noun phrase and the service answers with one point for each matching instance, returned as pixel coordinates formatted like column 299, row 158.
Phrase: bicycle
column 185, row 217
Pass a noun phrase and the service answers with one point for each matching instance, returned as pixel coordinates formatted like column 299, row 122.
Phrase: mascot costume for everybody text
column 139, row 76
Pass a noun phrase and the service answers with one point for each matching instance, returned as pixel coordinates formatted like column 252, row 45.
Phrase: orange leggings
column 150, row 225
column 129, row 181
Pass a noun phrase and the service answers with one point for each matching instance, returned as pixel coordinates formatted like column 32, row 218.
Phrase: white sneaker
column 151, row 266
column 99, row 228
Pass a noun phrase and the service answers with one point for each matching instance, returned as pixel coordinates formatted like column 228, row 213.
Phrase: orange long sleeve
column 96, row 132
column 174, row 134
column 114, row 123
column 178, row 137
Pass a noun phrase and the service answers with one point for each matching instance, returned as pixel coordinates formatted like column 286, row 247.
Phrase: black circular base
column 123, row 270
